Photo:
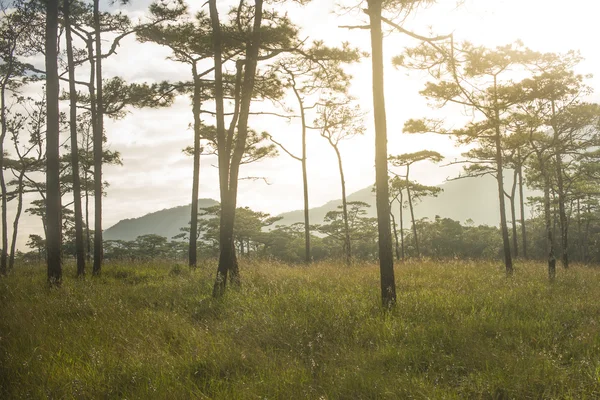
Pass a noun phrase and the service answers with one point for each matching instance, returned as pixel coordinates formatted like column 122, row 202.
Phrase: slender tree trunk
column 549, row 230
column 226, row 252
column 412, row 213
column 87, row 222
column 562, row 215
column 53, row 200
column 522, row 209
column 386, row 256
column 98, row 141
column 579, row 234
column 347, row 242
column 4, row 205
column 586, row 240
column 3, row 195
column 564, row 229
column 79, row 244
column 13, row 245
column 401, row 226
column 513, row 215
column 554, row 214
column 250, row 67
column 307, row 257
column 500, row 179
column 395, row 234
column 503, row 224
column 86, row 172
column 192, row 250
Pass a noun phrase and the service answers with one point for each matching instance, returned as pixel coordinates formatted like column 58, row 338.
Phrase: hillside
column 472, row 198
column 166, row 223
column 463, row 199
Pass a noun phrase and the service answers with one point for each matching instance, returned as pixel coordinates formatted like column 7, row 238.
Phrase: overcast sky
column 157, row 175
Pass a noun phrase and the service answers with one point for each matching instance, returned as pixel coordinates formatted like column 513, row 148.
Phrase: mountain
column 462, row 199
column 164, row 223
column 470, row 198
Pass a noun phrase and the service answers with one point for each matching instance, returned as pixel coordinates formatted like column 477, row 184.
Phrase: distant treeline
column 257, row 235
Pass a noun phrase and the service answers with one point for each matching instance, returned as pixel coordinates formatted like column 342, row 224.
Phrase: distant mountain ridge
column 165, row 222
column 473, row 199
column 465, row 199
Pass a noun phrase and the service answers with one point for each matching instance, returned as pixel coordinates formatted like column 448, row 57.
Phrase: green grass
column 460, row 330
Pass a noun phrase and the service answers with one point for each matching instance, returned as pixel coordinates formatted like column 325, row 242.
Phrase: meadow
column 461, row 329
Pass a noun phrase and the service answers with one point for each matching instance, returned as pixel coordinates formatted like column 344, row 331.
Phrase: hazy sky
column 157, row 175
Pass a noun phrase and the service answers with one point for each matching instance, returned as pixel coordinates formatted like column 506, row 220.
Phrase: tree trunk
column 226, row 253
column 513, row 215
column 500, row 179
column 549, row 230
column 586, row 240
column 386, row 256
column 562, row 215
column 564, row 229
column 307, row 257
column 347, row 242
column 400, row 201
column 250, row 67
column 412, row 213
column 4, row 205
column 53, row 200
column 79, row 244
column 579, row 234
column 395, row 234
column 13, row 245
column 3, row 195
column 88, row 238
column 522, row 209
column 227, row 258
column 554, row 214
column 98, row 141
column 196, row 105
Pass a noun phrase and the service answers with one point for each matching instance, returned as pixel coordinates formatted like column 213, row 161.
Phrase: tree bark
column 3, row 195
column 579, row 235
column 88, row 238
column 386, row 256
column 225, row 241
column 400, row 201
column 549, row 230
column 513, row 214
column 586, row 240
column 307, row 257
column 53, row 199
column 229, row 182
column 500, row 180
column 347, row 242
column 522, row 209
column 396, row 242
column 239, row 148
column 564, row 229
column 412, row 213
column 13, row 245
column 196, row 105
column 79, row 244
column 98, row 141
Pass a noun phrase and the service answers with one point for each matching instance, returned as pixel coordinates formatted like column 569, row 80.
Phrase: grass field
column 460, row 330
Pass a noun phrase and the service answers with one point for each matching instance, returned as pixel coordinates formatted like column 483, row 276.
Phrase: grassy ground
column 460, row 330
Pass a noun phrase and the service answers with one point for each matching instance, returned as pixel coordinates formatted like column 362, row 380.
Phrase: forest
column 369, row 301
